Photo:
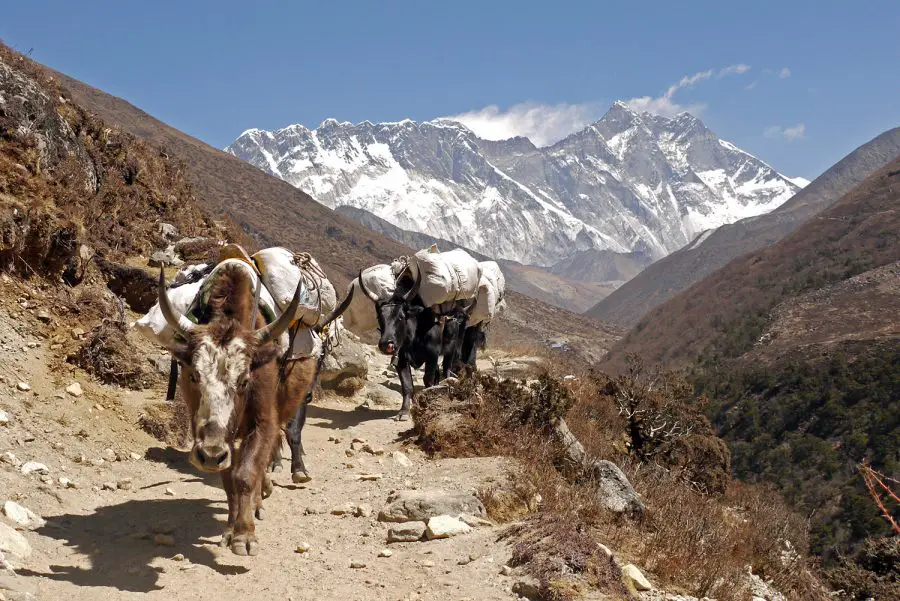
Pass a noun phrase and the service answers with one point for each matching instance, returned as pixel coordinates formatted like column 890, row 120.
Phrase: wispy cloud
column 667, row 106
column 784, row 73
column 543, row 124
column 794, row 132
column 751, row 85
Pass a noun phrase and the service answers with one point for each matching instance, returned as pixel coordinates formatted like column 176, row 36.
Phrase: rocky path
column 129, row 518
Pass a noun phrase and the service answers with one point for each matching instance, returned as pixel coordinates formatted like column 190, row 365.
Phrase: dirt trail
column 99, row 544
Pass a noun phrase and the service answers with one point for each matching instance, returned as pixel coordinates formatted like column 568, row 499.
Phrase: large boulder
column 346, row 360
column 421, row 505
column 613, row 488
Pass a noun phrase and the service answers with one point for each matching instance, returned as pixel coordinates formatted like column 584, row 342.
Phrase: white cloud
column 784, row 73
column 794, row 132
column 751, row 85
column 738, row 69
column 543, row 124
column 666, row 106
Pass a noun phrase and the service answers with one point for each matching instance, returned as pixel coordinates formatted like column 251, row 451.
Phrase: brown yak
column 238, row 404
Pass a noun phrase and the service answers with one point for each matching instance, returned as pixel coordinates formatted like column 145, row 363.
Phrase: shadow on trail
column 177, row 460
column 120, row 558
column 342, row 420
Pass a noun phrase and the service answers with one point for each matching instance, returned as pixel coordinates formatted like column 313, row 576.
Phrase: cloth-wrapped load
column 360, row 316
column 445, row 277
column 491, row 290
column 191, row 298
column 281, row 270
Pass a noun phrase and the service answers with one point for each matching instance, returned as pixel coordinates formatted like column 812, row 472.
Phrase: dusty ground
column 100, row 543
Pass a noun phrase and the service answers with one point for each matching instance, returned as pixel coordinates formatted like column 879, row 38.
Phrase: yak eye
column 242, row 385
column 194, row 378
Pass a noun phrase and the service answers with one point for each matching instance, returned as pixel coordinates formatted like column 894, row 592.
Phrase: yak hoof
column 260, row 512
column 402, row 416
column 226, row 538
column 244, row 544
column 267, row 487
column 300, row 477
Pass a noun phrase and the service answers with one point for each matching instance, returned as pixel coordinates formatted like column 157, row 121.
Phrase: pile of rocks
column 431, row 514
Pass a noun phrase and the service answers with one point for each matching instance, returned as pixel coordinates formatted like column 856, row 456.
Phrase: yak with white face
column 238, row 403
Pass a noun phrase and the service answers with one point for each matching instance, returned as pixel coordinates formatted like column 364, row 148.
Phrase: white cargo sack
column 491, row 290
column 153, row 325
column 281, row 270
column 183, row 298
column 360, row 316
column 446, row 277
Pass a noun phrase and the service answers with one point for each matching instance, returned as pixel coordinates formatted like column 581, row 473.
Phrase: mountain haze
column 631, row 183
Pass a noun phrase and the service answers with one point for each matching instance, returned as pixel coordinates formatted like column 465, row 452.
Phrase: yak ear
column 264, row 355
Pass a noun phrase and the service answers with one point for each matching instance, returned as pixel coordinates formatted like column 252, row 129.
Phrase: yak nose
column 388, row 347
column 212, row 457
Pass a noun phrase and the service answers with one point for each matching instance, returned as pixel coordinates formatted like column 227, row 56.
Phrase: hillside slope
column 712, row 250
column 798, row 347
column 858, row 233
column 271, row 210
column 276, row 213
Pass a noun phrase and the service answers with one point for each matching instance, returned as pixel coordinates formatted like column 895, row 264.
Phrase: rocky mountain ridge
column 631, row 183
column 713, row 249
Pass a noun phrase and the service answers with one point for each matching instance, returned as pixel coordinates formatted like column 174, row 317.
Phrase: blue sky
column 798, row 84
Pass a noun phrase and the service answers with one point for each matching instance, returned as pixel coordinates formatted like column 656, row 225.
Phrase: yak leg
column 447, row 362
column 277, row 458
column 404, row 370
column 228, row 485
column 294, row 395
column 432, row 372
column 470, row 347
column 452, row 358
column 299, row 473
column 255, row 452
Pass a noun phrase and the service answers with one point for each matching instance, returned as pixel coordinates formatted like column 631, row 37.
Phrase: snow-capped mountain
column 631, row 182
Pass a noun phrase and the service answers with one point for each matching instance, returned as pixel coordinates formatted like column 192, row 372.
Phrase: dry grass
column 687, row 541
column 556, row 546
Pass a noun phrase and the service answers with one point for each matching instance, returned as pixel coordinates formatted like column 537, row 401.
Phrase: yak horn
column 365, row 290
column 338, row 311
column 178, row 322
column 280, row 325
column 415, row 287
